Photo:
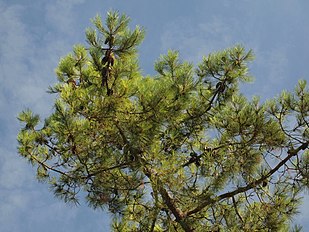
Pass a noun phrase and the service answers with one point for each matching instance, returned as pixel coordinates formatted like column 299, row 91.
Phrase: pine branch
column 151, row 174
column 47, row 167
column 209, row 201
column 122, row 165
column 236, row 210
column 168, row 200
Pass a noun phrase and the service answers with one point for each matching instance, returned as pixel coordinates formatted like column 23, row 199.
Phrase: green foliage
column 181, row 150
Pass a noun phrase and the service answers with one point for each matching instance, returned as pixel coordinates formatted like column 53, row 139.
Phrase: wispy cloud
column 196, row 39
column 27, row 63
column 19, row 84
column 257, row 26
column 60, row 15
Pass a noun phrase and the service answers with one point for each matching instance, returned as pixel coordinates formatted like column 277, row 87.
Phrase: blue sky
column 34, row 34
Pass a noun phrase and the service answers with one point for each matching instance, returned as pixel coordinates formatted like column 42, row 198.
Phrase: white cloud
column 61, row 16
column 14, row 171
column 14, row 41
column 195, row 40
column 270, row 73
column 27, row 65
column 17, row 51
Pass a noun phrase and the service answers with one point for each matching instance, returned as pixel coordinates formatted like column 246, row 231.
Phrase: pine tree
column 183, row 150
